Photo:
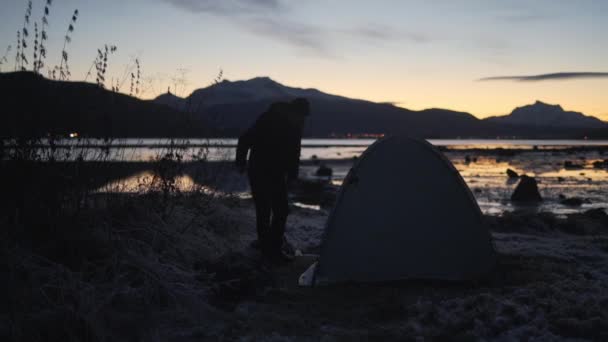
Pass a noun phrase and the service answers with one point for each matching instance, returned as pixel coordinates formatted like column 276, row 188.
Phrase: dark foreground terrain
column 140, row 267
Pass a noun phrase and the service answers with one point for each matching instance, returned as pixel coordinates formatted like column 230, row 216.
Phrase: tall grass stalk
column 39, row 45
column 4, row 58
column 18, row 53
column 64, row 69
column 22, row 35
column 135, row 79
column 101, row 63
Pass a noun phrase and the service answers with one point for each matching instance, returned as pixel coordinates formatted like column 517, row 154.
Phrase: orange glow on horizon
column 481, row 99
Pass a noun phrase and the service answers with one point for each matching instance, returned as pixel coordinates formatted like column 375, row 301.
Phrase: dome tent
column 403, row 212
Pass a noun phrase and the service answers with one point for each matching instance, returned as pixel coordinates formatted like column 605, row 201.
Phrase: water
column 484, row 171
column 224, row 149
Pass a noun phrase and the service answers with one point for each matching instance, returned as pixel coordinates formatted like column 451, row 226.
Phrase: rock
column 505, row 152
column 526, row 191
column 591, row 222
column 467, row 159
column 573, row 327
column 573, row 201
column 600, row 164
column 512, row 174
column 324, row 171
column 560, row 179
column 568, row 165
column 315, row 192
column 597, row 213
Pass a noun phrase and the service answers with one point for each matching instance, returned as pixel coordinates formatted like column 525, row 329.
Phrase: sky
column 485, row 57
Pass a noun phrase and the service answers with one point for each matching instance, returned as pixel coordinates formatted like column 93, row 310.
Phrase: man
column 274, row 141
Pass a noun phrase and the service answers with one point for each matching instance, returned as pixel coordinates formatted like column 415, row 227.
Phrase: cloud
column 384, row 33
column 227, row 7
column 303, row 36
column 270, row 19
column 548, row 77
column 525, row 17
column 323, row 41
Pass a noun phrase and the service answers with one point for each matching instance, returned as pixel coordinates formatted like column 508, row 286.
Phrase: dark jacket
column 274, row 144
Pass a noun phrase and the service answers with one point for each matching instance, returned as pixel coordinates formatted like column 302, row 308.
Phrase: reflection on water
column 483, row 168
column 224, row 149
column 492, row 188
column 486, row 177
column 148, row 180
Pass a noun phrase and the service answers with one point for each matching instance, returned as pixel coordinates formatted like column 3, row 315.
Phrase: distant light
column 73, row 135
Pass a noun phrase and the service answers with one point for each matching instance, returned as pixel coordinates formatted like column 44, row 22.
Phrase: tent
column 403, row 212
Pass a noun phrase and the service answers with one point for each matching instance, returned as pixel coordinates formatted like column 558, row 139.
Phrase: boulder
column 324, row 171
column 568, row 165
column 597, row 213
column 512, row 174
column 600, row 164
column 526, row 191
column 591, row 222
column 572, row 202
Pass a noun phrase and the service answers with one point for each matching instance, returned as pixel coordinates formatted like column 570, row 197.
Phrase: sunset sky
column 415, row 53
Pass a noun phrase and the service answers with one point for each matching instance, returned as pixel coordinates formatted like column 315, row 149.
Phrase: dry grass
column 123, row 269
column 87, row 266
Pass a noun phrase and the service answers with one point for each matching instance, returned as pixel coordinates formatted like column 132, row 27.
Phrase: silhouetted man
column 274, row 141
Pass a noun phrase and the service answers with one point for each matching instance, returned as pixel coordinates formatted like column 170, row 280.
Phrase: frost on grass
column 132, row 272
column 126, row 271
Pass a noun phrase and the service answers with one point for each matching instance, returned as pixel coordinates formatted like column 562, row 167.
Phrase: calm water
column 480, row 164
column 224, row 149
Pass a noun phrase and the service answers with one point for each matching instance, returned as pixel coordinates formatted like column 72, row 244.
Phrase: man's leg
column 261, row 197
column 278, row 199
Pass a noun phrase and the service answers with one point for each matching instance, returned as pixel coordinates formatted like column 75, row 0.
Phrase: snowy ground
column 190, row 275
column 549, row 285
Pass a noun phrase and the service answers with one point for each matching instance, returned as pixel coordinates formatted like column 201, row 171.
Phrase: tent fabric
column 404, row 212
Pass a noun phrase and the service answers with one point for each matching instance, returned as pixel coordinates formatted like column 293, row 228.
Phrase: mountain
column 548, row 116
column 171, row 100
column 233, row 106
column 255, row 89
column 35, row 106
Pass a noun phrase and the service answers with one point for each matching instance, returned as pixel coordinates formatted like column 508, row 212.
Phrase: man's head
column 299, row 110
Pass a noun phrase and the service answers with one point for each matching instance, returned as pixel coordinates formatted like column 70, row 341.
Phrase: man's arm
column 247, row 140
column 243, row 147
column 293, row 166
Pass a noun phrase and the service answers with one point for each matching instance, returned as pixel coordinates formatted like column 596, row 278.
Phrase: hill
column 549, row 116
column 233, row 106
column 36, row 106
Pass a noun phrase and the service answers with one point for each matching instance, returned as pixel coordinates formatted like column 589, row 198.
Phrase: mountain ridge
column 37, row 106
column 222, row 101
column 548, row 115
